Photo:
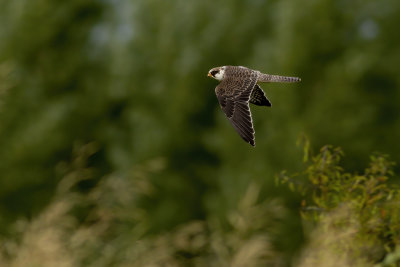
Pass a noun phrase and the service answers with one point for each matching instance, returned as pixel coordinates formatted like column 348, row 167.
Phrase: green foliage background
column 117, row 91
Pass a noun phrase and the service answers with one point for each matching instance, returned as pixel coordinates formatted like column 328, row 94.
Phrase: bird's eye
column 214, row 72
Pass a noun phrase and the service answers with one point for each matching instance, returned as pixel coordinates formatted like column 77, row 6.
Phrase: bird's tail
column 269, row 78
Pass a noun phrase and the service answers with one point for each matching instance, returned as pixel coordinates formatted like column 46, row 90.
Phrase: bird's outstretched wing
column 233, row 97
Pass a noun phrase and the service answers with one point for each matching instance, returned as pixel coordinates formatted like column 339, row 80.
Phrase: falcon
column 237, row 88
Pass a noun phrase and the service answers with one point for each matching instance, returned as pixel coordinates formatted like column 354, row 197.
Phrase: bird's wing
column 258, row 97
column 233, row 97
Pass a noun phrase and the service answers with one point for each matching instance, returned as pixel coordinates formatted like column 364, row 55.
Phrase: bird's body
column 238, row 87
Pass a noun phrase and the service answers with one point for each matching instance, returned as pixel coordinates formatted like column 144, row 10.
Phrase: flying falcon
column 238, row 86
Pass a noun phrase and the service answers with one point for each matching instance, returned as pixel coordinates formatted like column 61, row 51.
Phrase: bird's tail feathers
column 269, row 78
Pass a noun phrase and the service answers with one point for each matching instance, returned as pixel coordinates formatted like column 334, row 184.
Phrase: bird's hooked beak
column 209, row 75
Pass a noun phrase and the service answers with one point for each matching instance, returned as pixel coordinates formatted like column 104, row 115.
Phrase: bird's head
column 217, row 73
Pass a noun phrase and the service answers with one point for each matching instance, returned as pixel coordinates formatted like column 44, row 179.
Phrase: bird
column 237, row 88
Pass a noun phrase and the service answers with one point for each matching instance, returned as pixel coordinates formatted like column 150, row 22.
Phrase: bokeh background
column 107, row 103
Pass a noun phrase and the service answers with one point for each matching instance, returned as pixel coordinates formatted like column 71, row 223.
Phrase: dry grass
column 107, row 227
column 113, row 232
column 335, row 243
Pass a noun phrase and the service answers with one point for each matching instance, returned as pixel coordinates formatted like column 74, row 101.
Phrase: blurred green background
column 129, row 78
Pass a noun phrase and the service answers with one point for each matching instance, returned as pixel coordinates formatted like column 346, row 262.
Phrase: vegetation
column 351, row 220
column 356, row 215
column 114, row 151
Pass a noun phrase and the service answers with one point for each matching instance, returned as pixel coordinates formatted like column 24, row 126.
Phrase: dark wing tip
column 251, row 141
column 261, row 102
column 257, row 97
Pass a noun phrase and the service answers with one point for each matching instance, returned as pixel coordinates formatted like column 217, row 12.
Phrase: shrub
column 356, row 216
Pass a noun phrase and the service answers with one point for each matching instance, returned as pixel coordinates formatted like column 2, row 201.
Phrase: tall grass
column 353, row 222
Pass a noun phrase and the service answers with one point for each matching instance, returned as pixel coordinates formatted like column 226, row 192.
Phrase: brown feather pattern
column 239, row 87
column 233, row 94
